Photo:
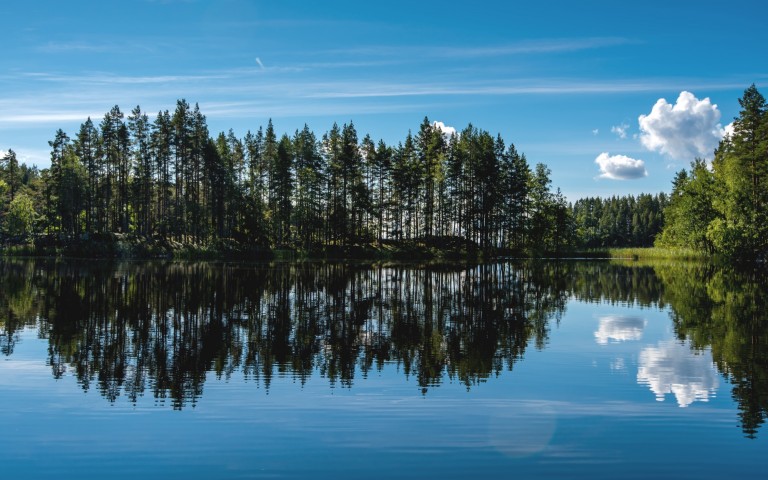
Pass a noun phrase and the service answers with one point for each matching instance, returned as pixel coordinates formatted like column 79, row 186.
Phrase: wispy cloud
column 277, row 108
column 63, row 47
column 332, row 64
column 170, row 1
column 113, row 79
column 251, row 90
column 531, row 86
column 47, row 117
column 524, row 47
column 98, row 47
column 535, row 46
column 620, row 130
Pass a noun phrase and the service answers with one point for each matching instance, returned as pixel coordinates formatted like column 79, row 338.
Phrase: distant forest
column 168, row 177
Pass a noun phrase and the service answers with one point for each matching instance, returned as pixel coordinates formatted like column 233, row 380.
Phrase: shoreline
column 437, row 249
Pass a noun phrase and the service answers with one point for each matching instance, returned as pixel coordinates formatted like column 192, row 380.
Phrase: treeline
column 626, row 221
column 723, row 208
column 169, row 177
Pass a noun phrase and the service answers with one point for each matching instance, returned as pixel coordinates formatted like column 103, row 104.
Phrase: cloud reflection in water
column 619, row 328
column 672, row 367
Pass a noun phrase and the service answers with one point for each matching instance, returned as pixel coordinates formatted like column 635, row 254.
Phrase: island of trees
column 168, row 179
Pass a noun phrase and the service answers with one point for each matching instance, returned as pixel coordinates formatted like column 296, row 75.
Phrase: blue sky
column 566, row 82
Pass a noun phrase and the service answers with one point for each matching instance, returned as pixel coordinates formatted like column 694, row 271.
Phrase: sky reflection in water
column 209, row 370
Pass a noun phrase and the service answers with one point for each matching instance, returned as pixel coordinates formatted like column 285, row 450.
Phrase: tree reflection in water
column 130, row 328
column 133, row 328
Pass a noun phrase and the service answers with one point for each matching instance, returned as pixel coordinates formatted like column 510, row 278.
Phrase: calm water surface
column 208, row 370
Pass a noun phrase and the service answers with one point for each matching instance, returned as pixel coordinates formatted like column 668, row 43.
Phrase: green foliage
column 551, row 227
column 653, row 253
column 466, row 323
column 690, row 211
column 169, row 178
column 725, row 210
column 3, row 201
column 626, row 221
column 21, row 217
column 469, row 323
column 20, row 193
column 724, row 309
column 11, row 173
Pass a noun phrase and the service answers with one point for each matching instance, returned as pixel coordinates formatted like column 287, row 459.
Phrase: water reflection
column 726, row 311
column 619, row 328
column 134, row 329
column 671, row 367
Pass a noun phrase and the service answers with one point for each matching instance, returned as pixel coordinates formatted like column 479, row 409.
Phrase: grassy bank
column 648, row 253
column 130, row 246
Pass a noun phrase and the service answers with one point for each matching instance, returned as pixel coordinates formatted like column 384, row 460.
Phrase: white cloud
column 620, row 130
column 447, row 131
column 620, row 167
column 728, row 130
column 258, row 62
column 595, row 131
column 619, row 329
column 672, row 367
column 682, row 131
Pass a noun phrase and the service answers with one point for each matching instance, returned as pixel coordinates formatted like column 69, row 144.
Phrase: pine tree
column 141, row 198
column 12, row 173
column 741, row 175
column 282, row 188
column 161, row 141
column 87, row 148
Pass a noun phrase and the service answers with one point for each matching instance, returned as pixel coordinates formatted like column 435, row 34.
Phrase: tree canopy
column 169, row 177
column 723, row 208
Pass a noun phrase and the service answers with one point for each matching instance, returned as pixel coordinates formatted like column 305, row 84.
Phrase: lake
column 570, row 369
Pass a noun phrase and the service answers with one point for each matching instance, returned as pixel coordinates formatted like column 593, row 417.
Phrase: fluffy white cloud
column 728, row 130
column 690, row 128
column 595, row 131
column 620, row 130
column 447, row 131
column 620, row 167
column 618, row 328
column 672, row 367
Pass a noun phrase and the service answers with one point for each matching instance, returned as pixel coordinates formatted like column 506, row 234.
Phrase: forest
column 722, row 207
column 169, row 178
